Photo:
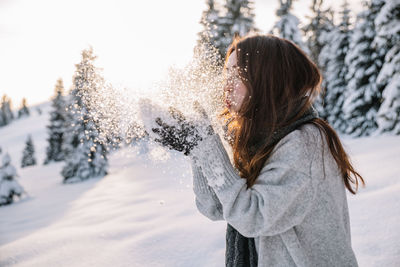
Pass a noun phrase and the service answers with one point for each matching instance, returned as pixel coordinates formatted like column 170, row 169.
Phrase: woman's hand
column 182, row 137
column 172, row 129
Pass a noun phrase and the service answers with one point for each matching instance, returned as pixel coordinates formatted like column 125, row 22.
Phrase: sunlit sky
column 136, row 41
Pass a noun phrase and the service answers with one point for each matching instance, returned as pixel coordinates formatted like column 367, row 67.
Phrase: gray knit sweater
column 297, row 209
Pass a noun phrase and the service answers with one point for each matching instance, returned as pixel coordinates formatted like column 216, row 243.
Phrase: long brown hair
column 281, row 81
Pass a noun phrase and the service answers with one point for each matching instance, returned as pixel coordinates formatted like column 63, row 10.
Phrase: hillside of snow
column 143, row 213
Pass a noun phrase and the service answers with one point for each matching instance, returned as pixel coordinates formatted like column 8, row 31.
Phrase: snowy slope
column 143, row 212
column 375, row 211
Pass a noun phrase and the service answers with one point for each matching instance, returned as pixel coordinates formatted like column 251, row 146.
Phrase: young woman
column 284, row 196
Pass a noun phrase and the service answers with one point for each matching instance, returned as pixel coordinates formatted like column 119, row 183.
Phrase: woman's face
column 235, row 90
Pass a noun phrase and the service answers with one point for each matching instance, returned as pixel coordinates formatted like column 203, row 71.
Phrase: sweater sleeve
column 206, row 200
column 280, row 198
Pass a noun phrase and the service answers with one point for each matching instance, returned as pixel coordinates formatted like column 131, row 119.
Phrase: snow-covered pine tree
column 236, row 19
column 324, row 37
column 379, row 43
column 6, row 113
column 240, row 14
column 9, row 187
column 336, row 71
column 287, row 25
column 86, row 156
column 221, row 33
column 56, row 128
column 363, row 95
column 320, row 22
column 208, row 41
column 28, row 155
column 209, row 23
column 88, row 159
column 23, row 111
column 387, row 39
column 70, row 138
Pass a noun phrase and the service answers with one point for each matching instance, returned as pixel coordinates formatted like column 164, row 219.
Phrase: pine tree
column 318, row 33
column 208, row 37
column 336, row 71
column 236, row 18
column 6, row 113
column 363, row 95
column 326, row 36
column 387, row 40
column 240, row 17
column 209, row 22
column 28, row 155
column 288, row 25
column 379, row 43
column 9, row 187
column 54, row 151
column 70, row 136
column 86, row 155
column 320, row 22
column 23, row 111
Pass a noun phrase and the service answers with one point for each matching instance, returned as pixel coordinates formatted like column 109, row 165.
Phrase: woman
column 284, row 196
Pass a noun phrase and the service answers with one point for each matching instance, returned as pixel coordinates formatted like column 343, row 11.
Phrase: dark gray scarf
column 240, row 250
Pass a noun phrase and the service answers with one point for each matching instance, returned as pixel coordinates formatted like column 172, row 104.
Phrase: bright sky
column 135, row 41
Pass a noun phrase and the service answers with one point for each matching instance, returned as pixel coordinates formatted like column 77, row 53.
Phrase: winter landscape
column 142, row 213
column 83, row 184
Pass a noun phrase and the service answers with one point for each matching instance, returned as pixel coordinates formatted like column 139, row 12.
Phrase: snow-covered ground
column 143, row 213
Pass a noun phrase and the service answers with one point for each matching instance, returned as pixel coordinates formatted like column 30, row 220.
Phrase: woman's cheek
column 240, row 94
